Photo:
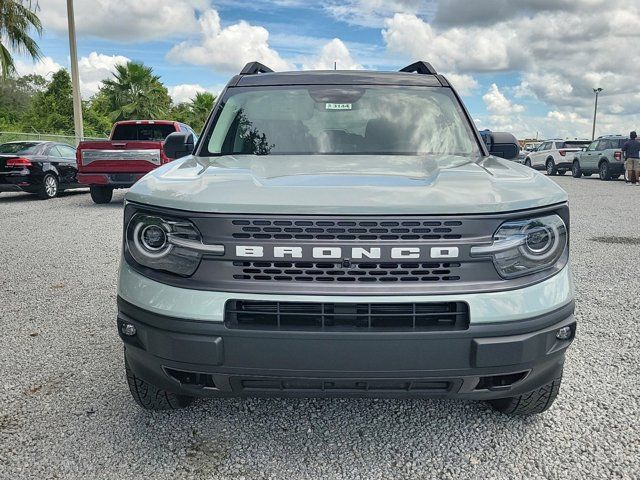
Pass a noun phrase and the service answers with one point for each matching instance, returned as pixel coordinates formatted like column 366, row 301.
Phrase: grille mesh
column 355, row 272
column 346, row 229
column 254, row 314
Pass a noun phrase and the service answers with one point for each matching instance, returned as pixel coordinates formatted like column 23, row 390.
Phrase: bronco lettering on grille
column 254, row 251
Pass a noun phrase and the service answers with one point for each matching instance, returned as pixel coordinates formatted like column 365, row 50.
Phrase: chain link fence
column 26, row 136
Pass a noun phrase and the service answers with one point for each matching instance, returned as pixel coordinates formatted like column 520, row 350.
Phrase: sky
column 524, row 66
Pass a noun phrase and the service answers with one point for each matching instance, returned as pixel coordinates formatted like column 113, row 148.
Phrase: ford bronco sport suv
column 345, row 233
column 603, row 156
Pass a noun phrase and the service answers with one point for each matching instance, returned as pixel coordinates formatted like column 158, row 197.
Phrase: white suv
column 554, row 155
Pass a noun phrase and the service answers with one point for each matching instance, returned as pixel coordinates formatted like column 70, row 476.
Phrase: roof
column 338, row 77
column 30, row 141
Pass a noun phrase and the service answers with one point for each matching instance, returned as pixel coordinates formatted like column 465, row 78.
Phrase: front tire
column 530, row 403
column 551, row 167
column 151, row 397
column 100, row 194
column 49, row 188
column 576, row 171
column 605, row 171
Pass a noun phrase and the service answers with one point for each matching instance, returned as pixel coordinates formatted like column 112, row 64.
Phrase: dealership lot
column 65, row 411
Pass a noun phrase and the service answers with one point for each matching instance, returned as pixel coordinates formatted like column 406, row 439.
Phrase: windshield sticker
column 338, row 106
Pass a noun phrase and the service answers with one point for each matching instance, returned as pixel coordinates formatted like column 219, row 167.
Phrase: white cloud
column 471, row 49
column 187, row 91
column 497, row 103
column 45, row 67
column 334, row 51
column 92, row 69
column 463, row 83
column 227, row 49
column 125, row 20
column 95, row 68
column 371, row 13
column 561, row 50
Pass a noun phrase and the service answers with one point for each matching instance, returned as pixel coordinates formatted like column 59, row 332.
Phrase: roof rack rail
column 252, row 68
column 421, row 68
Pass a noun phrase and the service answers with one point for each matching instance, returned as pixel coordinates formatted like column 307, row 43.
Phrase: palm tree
column 199, row 108
column 16, row 18
column 135, row 92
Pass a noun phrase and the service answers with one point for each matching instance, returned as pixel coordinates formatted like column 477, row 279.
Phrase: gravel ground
column 65, row 411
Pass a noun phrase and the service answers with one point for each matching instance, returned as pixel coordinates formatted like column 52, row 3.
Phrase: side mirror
column 178, row 144
column 503, row 145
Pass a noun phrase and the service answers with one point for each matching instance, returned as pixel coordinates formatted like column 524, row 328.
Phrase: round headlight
column 527, row 246
column 541, row 241
column 153, row 238
column 154, row 241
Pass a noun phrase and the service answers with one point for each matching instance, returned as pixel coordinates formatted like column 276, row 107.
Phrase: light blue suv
column 345, row 233
column 602, row 156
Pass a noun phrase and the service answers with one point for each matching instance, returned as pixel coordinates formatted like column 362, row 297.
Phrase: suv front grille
column 312, row 229
column 269, row 315
column 354, row 272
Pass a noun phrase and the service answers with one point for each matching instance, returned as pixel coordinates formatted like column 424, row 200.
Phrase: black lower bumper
column 207, row 359
column 9, row 187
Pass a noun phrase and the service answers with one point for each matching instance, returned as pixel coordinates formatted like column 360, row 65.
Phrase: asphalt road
column 65, row 410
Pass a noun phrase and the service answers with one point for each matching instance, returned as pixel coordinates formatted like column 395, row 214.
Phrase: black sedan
column 43, row 168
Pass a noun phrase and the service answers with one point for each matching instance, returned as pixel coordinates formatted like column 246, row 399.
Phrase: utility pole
column 75, row 78
column 595, row 113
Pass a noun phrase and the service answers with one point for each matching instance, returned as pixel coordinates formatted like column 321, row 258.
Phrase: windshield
column 147, row 132
column 20, row 148
column 340, row 120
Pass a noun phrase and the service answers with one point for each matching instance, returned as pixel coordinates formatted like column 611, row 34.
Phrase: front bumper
column 486, row 361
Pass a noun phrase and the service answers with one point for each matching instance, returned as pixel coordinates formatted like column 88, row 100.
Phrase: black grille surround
column 328, row 316
column 348, row 275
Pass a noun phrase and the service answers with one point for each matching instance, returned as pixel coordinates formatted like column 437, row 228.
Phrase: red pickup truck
column 133, row 149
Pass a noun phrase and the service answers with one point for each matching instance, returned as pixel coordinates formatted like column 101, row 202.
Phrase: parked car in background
column 133, row 149
column 43, row 168
column 554, row 156
column 526, row 149
column 603, row 156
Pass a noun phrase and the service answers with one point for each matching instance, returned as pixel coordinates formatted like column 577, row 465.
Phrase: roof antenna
column 335, row 65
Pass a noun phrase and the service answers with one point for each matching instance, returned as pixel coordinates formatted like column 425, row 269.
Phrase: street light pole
column 75, row 78
column 595, row 113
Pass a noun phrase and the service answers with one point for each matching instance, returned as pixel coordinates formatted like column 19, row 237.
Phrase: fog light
column 563, row 333
column 129, row 330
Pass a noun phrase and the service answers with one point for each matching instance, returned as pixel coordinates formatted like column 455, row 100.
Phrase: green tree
column 52, row 109
column 97, row 122
column 135, row 93
column 199, row 109
column 16, row 95
column 180, row 112
column 17, row 17
column 195, row 111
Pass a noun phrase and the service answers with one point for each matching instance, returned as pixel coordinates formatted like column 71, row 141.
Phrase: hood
column 346, row 184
